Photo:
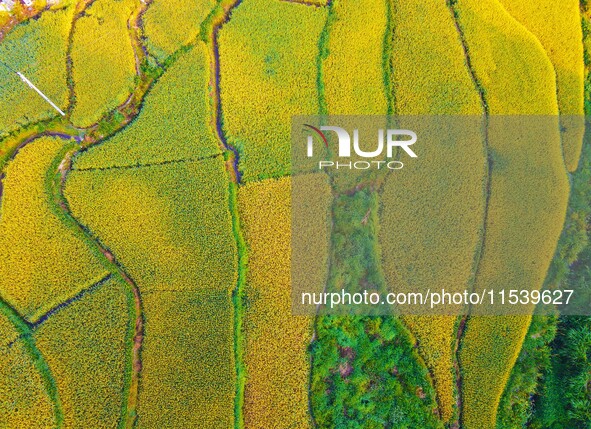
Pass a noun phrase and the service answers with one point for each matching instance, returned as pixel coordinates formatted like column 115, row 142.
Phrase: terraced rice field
column 146, row 235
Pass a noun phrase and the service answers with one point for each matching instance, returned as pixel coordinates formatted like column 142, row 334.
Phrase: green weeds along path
column 145, row 236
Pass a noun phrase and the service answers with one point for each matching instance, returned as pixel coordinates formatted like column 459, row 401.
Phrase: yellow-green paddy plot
column 103, row 62
column 166, row 224
column 353, row 66
column 430, row 77
column 509, row 62
column 168, row 25
column 87, row 345
column 557, row 25
column 173, row 124
column 526, row 210
column 37, row 48
column 268, row 54
column 276, row 358
column 431, row 220
column 43, row 262
column 429, row 71
column 527, row 196
column 170, row 228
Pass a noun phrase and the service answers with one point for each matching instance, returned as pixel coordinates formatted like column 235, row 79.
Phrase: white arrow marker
column 30, row 84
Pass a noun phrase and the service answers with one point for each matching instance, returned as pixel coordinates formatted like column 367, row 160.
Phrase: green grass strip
column 26, row 335
column 238, row 300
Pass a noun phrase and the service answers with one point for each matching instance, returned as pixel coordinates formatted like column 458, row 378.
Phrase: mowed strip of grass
column 352, row 67
column 43, row 262
column 170, row 25
column 268, row 54
column 170, row 227
column 527, row 197
column 276, row 358
column 557, row 25
column 87, row 345
column 431, row 240
column 103, row 62
column 173, row 124
column 37, row 48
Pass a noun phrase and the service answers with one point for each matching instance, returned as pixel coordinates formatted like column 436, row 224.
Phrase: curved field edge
column 557, row 26
column 481, row 404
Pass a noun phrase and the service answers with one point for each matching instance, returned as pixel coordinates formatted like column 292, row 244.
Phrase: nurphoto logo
column 388, row 139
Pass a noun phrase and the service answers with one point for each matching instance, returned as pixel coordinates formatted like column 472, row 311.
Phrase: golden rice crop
column 430, row 76
column 87, row 346
column 429, row 72
column 429, row 233
column 526, row 209
column 268, row 74
column 510, row 64
column 24, row 403
column 527, row 197
column 8, row 333
column 173, row 124
column 490, row 347
column 103, row 62
column 557, row 25
column 188, row 371
column 353, row 67
column 436, row 339
column 37, row 48
column 168, row 25
column 170, row 227
column 43, row 262
column 165, row 223
column 276, row 358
